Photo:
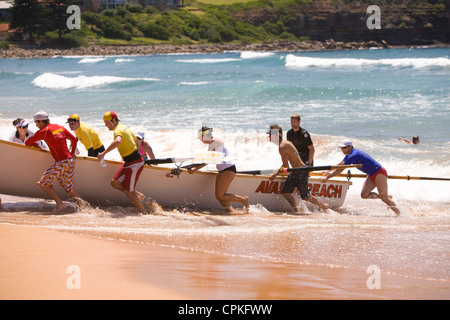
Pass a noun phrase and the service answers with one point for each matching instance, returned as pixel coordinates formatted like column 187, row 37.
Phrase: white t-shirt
column 219, row 146
column 16, row 138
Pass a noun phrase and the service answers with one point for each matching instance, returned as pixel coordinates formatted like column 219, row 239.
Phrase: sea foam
column 208, row 60
column 256, row 55
column 293, row 61
column 49, row 80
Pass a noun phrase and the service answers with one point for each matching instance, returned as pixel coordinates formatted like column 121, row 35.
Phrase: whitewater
column 369, row 96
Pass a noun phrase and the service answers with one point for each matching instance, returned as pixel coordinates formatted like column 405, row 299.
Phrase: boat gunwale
column 153, row 167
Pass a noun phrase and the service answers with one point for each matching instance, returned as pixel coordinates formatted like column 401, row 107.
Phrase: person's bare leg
column 52, row 193
column 290, row 198
column 132, row 195
column 366, row 191
column 223, row 182
column 317, row 202
column 75, row 196
column 382, row 187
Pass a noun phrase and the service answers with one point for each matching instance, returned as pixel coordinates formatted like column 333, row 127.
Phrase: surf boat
column 23, row 166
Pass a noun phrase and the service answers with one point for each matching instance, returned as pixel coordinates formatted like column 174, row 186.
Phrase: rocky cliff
column 402, row 22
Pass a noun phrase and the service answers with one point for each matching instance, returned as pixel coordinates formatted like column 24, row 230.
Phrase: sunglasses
column 72, row 121
column 23, row 127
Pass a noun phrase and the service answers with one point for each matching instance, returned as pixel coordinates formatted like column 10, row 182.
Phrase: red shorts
column 129, row 174
column 382, row 171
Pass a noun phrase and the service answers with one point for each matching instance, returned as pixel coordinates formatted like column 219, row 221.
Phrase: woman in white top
column 22, row 133
column 227, row 172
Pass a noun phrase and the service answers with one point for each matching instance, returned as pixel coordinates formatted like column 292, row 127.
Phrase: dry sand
column 35, row 262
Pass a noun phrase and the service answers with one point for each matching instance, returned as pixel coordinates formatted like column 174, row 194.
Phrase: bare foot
column 60, row 208
column 324, row 206
column 229, row 209
column 153, row 207
column 82, row 204
column 395, row 209
column 246, row 204
column 140, row 195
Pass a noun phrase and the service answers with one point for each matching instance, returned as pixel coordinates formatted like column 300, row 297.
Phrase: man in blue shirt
column 376, row 175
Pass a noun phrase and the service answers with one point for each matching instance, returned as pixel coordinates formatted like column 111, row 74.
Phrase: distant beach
column 24, row 50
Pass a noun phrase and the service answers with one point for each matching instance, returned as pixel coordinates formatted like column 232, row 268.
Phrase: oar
column 304, row 169
column 350, row 175
column 167, row 160
column 207, row 158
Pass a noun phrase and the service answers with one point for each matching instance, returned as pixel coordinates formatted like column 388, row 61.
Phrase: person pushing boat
column 23, row 133
column 376, row 175
column 63, row 169
column 227, row 172
column 127, row 176
column 86, row 135
column 143, row 146
column 299, row 180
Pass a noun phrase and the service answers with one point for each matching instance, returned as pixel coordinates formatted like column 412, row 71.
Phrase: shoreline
column 26, row 51
column 36, row 260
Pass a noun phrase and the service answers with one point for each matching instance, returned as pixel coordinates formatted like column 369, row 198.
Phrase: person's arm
column 149, row 150
column 312, row 150
column 117, row 141
column 196, row 168
column 330, row 174
column 32, row 141
column 284, row 159
column 406, row 140
column 72, row 139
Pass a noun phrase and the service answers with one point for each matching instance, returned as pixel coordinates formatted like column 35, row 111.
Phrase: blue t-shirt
column 370, row 166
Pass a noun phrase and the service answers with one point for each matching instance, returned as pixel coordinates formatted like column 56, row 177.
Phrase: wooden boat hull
column 23, row 166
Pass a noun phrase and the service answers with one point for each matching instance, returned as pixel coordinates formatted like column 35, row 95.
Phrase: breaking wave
column 208, row 60
column 293, row 61
column 256, row 55
column 49, row 80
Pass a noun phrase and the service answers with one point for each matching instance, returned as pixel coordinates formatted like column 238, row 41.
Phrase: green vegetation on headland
column 212, row 22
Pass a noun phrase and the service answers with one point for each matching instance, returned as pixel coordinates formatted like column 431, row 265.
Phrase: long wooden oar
column 167, row 160
column 304, row 169
column 350, row 175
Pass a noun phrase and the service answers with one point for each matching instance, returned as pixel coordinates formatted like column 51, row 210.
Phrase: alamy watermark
column 74, row 280
column 374, row 21
column 74, row 21
column 374, row 280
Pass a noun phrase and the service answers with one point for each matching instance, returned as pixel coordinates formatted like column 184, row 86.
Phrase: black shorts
column 297, row 180
column 232, row 169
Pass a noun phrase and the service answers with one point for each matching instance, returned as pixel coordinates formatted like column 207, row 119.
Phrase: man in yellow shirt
column 127, row 176
column 86, row 135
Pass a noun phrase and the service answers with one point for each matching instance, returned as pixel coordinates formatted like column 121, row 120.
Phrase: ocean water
column 369, row 96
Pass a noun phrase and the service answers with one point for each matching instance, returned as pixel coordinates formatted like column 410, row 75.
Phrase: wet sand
column 35, row 264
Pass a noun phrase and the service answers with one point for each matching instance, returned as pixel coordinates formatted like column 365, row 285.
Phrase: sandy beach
column 36, row 264
column 189, row 250
column 39, row 263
